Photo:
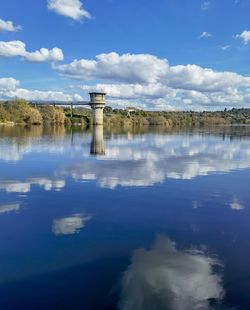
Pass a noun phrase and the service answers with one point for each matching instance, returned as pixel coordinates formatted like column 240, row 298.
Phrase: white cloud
column 193, row 77
column 151, row 79
column 9, row 89
column 8, row 84
column 37, row 95
column 69, row 225
column 128, row 68
column 162, row 97
column 8, row 26
column 236, row 205
column 9, row 208
column 170, row 279
column 70, row 8
column 205, row 34
column 18, row 48
column 148, row 80
column 12, row 48
column 244, row 36
column 45, row 55
column 130, row 91
column 205, row 5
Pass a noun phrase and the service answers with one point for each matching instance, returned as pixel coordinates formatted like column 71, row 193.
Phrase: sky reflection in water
column 154, row 220
column 165, row 278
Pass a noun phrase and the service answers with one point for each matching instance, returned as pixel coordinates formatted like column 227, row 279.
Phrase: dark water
column 158, row 220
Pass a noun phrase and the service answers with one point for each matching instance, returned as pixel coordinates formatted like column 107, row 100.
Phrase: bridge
column 97, row 103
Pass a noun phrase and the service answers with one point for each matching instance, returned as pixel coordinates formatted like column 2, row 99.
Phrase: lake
column 125, row 219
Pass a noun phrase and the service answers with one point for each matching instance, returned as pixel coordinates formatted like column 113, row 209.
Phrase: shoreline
column 22, row 113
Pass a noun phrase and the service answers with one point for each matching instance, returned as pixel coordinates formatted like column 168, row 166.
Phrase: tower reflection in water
column 97, row 144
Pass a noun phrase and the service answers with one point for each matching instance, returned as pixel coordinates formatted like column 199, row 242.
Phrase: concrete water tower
column 97, row 146
column 97, row 103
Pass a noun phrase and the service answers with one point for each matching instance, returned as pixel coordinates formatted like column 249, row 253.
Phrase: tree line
column 21, row 112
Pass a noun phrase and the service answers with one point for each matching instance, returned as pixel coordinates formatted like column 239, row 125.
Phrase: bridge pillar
column 97, row 103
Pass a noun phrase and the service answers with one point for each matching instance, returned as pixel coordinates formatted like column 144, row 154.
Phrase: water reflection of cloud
column 236, row 205
column 151, row 159
column 140, row 165
column 69, row 225
column 7, row 208
column 114, row 173
column 166, row 278
column 142, row 161
column 25, row 187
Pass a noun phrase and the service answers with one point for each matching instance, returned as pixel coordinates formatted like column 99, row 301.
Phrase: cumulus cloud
column 69, row 225
column 162, row 97
column 8, row 26
column 166, row 278
column 45, row 55
column 12, row 48
column 193, row 77
column 9, row 89
column 70, row 8
column 244, row 36
column 128, row 68
column 37, row 95
column 153, row 80
column 130, row 91
column 18, row 48
column 205, row 34
column 8, row 84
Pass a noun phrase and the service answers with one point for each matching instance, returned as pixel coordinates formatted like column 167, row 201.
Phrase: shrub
column 59, row 116
column 157, row 120
column 32, row 116
column 20, row 112
column 4, row 114
column 52, row 115
column 48, row 114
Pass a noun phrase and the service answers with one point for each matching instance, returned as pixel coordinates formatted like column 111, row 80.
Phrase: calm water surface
column 125, row 220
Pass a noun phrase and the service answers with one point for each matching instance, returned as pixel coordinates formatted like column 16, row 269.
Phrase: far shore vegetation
column 20, row 112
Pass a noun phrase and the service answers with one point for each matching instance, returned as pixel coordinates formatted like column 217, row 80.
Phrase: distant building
column 131, row 110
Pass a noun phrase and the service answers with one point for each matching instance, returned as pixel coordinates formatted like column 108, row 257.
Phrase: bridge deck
column 66, row 103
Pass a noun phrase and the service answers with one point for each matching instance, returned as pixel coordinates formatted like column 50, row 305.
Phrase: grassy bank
column 21, row 112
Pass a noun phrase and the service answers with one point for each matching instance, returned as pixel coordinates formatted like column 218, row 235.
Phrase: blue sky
column 162, row 54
